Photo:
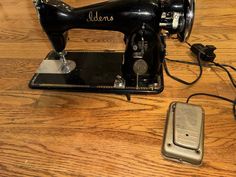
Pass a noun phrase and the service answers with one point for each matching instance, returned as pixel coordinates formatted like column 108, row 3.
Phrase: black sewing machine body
column 136, row 70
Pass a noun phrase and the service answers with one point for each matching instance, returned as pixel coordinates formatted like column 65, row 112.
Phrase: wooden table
column 52, row 133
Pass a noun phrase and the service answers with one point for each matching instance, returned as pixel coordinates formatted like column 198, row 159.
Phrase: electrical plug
column 206, row 53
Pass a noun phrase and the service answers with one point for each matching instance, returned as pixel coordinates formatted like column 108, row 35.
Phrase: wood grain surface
column 53, row 133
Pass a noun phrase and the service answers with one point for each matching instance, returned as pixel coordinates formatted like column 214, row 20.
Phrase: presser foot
column 66, row 66
column 56, row 65
column 95, row 71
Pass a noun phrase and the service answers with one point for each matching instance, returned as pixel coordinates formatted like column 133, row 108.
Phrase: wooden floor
column 51, row 133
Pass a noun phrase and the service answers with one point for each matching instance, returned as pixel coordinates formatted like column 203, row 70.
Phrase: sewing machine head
column 144, row 24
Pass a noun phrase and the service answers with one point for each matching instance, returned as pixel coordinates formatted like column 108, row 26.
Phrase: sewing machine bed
column 94, row 72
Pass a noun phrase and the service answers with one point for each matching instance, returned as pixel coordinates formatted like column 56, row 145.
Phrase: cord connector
column 206, row 53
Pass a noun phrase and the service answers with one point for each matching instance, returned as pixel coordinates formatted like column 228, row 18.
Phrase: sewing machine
column 144, row 23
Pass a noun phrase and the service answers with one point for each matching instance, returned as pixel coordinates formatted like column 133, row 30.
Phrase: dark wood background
column 51, row 133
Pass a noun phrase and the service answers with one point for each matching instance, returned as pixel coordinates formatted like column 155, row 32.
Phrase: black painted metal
column 94, row 72
column 138, row 20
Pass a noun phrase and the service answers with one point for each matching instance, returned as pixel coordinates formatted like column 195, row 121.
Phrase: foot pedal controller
column 184, row 133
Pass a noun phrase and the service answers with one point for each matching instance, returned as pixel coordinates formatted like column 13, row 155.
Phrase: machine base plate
column 92, row 72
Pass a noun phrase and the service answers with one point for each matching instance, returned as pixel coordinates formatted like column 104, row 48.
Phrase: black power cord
column 215, row 96
column 225, row 65
column 193, row 63
column 211, row 64
column 180, row 80
column 204, row 53
column 229, row 74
